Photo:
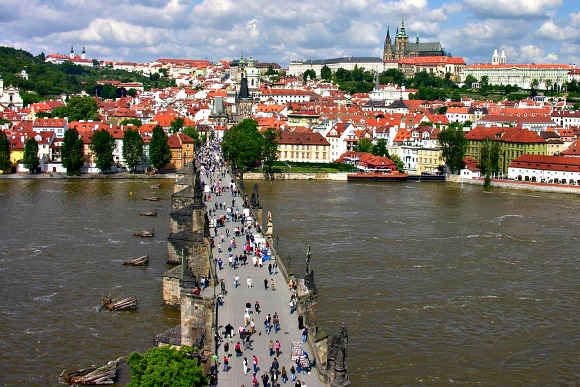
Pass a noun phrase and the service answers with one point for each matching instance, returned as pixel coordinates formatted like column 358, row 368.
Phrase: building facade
column 402, row 48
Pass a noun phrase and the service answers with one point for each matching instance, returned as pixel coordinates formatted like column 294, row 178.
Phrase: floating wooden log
column 92, row 376
column 141, row 261
column 145, row 233
column 151, row 198
column 148, row 213
column 155, row 186
column 129, row 303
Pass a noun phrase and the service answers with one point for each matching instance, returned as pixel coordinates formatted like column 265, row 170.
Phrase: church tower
column 84, row 54
column 388, row 48
column 72, row 52
column 401, row 41
column 502, row 59
column 495, row 57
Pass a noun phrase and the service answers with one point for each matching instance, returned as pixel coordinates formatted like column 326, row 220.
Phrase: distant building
column 402, row 48
column 10, row 96
column 72, row 58
column 374, row 64
column 522, row 75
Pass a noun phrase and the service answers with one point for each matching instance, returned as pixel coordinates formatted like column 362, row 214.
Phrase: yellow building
column 428, row 160
column 303, row 147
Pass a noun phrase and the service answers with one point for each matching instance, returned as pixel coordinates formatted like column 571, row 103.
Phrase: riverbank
column 55, row 175
column 455, row 179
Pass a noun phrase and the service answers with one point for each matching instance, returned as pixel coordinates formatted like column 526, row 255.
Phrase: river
column 437, row 284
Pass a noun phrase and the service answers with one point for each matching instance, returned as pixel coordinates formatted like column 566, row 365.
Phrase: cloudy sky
column 531, row 31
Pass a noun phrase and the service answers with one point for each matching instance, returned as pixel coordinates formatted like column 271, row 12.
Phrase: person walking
column 300, row 321
column 265, row 283
column 304, row 334
column 284, row 375
column 265, row 379
column 246, row 368
column 236, row 281
column 277, row 347
column 249, row 282
column 293, row 373
column 255, row 363
column 226, row 363
column 276, row 322
column 271, row 347
column 272, row 284
column 257, row 307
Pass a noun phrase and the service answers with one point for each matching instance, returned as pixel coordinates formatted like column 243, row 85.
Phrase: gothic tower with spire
column 387, row 49
column 401, row 42
column 402, row 48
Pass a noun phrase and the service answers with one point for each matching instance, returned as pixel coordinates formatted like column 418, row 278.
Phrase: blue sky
column 530, row 31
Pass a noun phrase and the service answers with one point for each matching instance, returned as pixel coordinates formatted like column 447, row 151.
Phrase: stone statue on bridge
column 337, row 352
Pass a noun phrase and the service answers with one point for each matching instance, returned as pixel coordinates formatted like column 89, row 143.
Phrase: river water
column 62, row 247
column 437, row 284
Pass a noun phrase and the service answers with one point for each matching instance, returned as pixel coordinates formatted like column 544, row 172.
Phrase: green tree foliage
column 131, row 121
column 71, row 152
column 453, row 146
column 469, row 81
column 78, row 108
column 364, row 145
column 192, row 132
column 131, row 92
column 159, row 152
column 270, row 149
column 5, row 164
column 30, row 158
column 271, row 71
column 393, row 76
column 326, row 73
column 132, row 148
column 166, row 366
column 397, row 160
column 489, row 159
column 242, row 145
column 380, row 148
column 102, row 146
column 177, row 124
column 310, row 73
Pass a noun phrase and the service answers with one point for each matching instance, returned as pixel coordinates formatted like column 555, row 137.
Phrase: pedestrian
column 226, row 347
column 255, row 363
column 238, row 349
column 276, row 321
column 293, row 373
column 304, row 334
column 249, row 282
column 291, row 305
column 220, row 262
column 248, row 307
column 223, row 287
column 246, row 369
column 236, row 281
column 226, row 362
column 271, row 347
column 252, row 327
column 300, row 321
column 270, row 269
column 257, row 307
column 298, row 384
column 246, row 319
column 265, row 283
column 277, row 347
column 254, row 380
column 274, row 367
column 275, row 268
column 284, row 375
column 272, row 284
column 265, row 379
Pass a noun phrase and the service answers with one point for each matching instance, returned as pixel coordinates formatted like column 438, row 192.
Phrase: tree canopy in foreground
column 166, row 366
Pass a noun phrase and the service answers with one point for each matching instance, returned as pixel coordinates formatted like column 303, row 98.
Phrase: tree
column 364, row 145
column 192, row 132
column 78, row 108
column 326, row 73
column 71, row 152
column 310, row 73
column 30, row 158
column 131, row 121
column 242, row 145
column 177, row 124
column 393, row 76
column 484, row 86
column 380, row 148
column 132, row 148
column 453, row 146
column 166, row 366
column 5, row 163
column 159, row 152
column 397, row 160
column 131, row 92
column 102, row 146
column 271, row 71
column 270, row 149
column 489, row 159
column 548, row 84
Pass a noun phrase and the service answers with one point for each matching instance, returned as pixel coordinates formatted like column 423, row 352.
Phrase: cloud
column 511, row 9
column 549, row 30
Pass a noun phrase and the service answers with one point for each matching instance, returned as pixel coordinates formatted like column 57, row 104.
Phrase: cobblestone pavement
column 234, row 307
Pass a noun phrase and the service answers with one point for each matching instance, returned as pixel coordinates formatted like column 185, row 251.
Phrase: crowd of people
column 246, row 251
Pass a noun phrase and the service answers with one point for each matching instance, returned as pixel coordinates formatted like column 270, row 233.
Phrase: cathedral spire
column 417, row 39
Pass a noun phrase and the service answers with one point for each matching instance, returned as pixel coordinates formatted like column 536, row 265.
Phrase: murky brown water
column 437, row 284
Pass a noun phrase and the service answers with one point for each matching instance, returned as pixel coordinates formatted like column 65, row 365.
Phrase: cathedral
column 403, row 49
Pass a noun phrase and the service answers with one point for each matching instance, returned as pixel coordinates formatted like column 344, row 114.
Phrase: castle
column 403, row 49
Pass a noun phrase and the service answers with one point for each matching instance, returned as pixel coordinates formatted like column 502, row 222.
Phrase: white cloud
column 549, row 30
column 507, row 9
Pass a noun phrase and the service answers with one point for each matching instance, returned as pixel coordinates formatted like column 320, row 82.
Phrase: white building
column 546, row 169
column 374, row 64
column 522, row 75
